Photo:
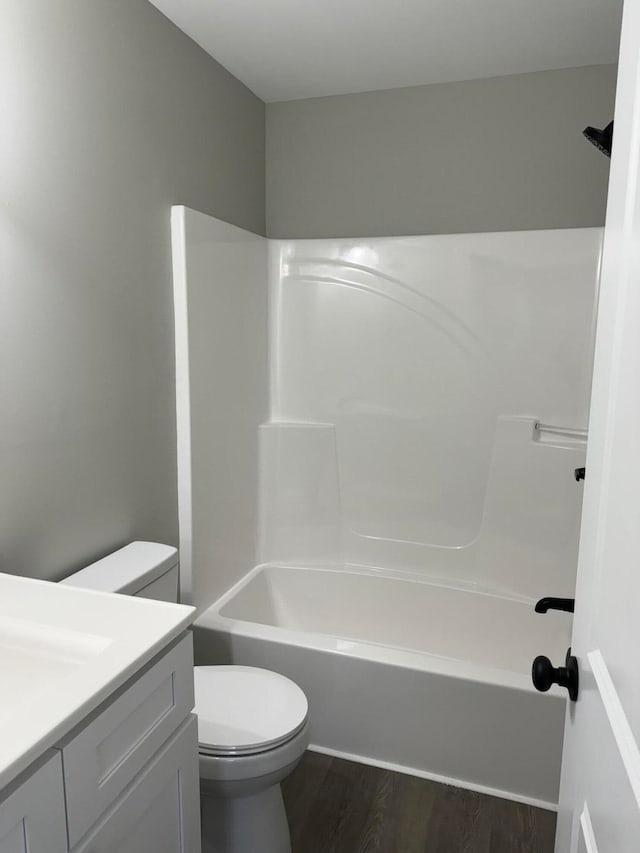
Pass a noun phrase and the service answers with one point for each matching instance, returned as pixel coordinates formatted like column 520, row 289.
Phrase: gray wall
column 498, row 154
column 109, row 115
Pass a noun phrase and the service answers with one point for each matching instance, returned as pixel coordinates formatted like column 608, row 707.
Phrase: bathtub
column 405, row 673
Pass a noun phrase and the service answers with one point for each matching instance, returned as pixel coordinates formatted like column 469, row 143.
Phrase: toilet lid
column 243, row 709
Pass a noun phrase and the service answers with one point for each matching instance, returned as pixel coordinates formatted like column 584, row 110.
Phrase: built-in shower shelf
column 549, row 433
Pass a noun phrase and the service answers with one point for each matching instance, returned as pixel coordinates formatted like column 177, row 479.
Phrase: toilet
column 252, row 723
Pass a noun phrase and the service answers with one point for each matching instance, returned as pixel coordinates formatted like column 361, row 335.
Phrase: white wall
column 220, row 292
column 406, row 378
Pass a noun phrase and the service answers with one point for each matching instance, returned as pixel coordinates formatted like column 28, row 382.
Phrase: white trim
column 183, row 402
column 434, row 777
column 622, row 732
column 586, row 828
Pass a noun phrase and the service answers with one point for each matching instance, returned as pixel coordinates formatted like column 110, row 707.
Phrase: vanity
column 98, row 742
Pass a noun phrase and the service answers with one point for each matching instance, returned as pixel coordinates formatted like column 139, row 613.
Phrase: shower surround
column 404, row 486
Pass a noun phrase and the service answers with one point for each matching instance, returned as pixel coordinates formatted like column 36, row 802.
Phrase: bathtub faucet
column 545, row 604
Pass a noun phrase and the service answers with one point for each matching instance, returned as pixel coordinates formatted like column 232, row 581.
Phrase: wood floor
column 337, row 806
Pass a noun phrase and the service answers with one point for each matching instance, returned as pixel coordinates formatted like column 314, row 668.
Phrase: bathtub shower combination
column 377, row 443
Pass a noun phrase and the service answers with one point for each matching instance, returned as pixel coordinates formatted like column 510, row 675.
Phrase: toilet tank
column 145, row 569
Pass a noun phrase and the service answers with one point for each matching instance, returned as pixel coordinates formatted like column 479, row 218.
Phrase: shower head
column 602, row 139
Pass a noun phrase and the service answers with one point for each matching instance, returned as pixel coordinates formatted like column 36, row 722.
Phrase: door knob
column 544, row 674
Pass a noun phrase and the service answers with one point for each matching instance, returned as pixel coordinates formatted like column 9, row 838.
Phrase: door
column 600, row 788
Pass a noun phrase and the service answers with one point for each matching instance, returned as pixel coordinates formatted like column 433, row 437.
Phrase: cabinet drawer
column 32, row 818
column 160, row 811
column 104, row 756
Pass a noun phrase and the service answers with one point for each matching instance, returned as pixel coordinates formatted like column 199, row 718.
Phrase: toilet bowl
column 252, row 723
column 253, row 731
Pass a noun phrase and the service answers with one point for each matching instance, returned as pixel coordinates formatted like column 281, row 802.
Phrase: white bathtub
column 404, row 673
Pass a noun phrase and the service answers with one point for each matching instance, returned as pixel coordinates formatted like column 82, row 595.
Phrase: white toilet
column 252, row 723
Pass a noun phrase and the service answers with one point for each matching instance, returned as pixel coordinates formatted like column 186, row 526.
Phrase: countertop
column 63, row 651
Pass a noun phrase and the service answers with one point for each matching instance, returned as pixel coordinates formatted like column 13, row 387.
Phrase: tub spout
column 545, row 604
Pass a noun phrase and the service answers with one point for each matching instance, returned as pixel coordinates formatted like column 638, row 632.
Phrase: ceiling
column 287, row 49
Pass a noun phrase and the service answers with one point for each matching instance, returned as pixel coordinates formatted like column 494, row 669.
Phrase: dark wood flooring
column 337, row 806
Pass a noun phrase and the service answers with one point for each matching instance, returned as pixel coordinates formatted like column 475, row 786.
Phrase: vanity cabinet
column 104, row 755
column 124, row 780
column 32, row 812
column 160, row 811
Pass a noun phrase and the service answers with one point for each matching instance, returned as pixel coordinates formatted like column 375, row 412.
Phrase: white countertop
column 63, row 651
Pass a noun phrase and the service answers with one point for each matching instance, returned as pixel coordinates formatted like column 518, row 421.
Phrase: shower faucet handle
column 545, row 604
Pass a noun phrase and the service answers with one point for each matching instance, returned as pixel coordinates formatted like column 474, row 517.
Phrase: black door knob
column 544, row 674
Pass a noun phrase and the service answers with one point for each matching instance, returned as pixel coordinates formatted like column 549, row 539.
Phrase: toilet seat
column 243, row 710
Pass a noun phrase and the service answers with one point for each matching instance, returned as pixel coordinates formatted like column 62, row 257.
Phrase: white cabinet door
column 160, row 811
column 105, row 756
column 32, row 816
